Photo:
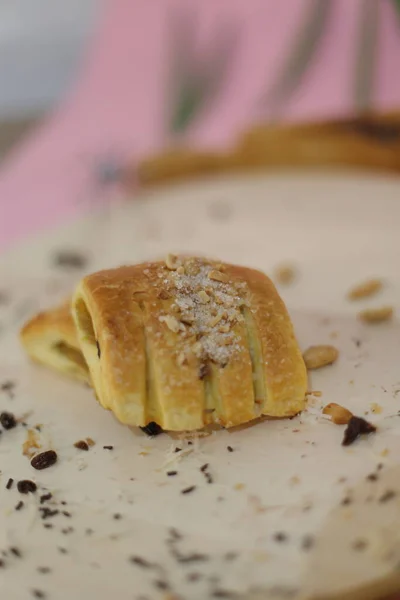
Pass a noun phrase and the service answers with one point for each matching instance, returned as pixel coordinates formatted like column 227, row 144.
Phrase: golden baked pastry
column 50, row 338
column 189, row 342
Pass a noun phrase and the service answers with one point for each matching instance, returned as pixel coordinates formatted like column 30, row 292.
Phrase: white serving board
column 287, row 477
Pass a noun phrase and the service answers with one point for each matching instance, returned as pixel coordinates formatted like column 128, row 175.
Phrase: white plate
column 283, row 477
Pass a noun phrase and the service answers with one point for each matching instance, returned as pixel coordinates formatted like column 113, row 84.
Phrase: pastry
column 189, row 342
column 49, row 338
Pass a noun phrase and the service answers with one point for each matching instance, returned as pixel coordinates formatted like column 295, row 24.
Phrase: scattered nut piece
column 218, row 276
column 172, row 262
column 180, row 270
column 90, row 442
column 285, row 274
column 376, row 408
column 376, row 315
column 365, row 289
column 316, row 357
column 315, row 393
column 203, row 297
column 171, row 322
column 339, row 414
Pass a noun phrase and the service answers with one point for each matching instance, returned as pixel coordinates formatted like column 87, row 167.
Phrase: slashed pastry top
column 50, row 339
column 189, row 342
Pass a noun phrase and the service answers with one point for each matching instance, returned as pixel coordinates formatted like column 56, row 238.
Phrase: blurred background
column 41, row 45
column 130, row 94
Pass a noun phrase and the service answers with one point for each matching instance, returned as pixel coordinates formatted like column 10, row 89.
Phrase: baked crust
column 188, row 343
column 50, row 339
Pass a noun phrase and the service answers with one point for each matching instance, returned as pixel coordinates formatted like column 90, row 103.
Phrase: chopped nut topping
column 316, row 357
column 172, row 262
column 339, row 415
column 218, row 276
column 163, row 295
column 376, row 315
column 215, row 320
column 203, row 297
column 285, row 274
column 181, row 359
column 365, row 289
column 171, row 322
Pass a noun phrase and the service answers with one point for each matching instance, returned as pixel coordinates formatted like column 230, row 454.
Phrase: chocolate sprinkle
column 44, row 570
column 98, row 349
column 70, row 259
column 280, row 536
column 360, row 545
column 229, row 448
column 38, row 594
column 26, row 486
column 8, row 420
column 372, row 477
column 8, row 388
column 19, row 505
column 346, row 501
column 44, row 460
column 307, row 542
column 45, row 497
column 16, row 552
column 161, row 584
column 172, row 473
column 152, row 429
column 356, row 426
column 204, row 467
column 388, row 495
column 108, row 447
column 141, row 562
column 188, row 490
column 47, row 513
column 178, row 449
column 82, row 445
column 9, row 483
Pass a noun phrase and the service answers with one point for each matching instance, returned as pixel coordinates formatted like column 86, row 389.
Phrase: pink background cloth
column 119, row 105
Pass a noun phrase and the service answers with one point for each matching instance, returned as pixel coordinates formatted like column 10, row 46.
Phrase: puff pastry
column 189, row 342
column 50, row 338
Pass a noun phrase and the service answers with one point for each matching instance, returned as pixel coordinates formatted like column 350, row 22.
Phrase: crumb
column 366, row 289
column 26, row 486
column 152, row 429
column 44, row 460
column 7, row 420
column 316, row 357
column 285, row 274
column 31, row 444
column 239, row 486
column 357, row 426
column 376, row 315
column 82, row 445
column 384, row 452
column 376, row 408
